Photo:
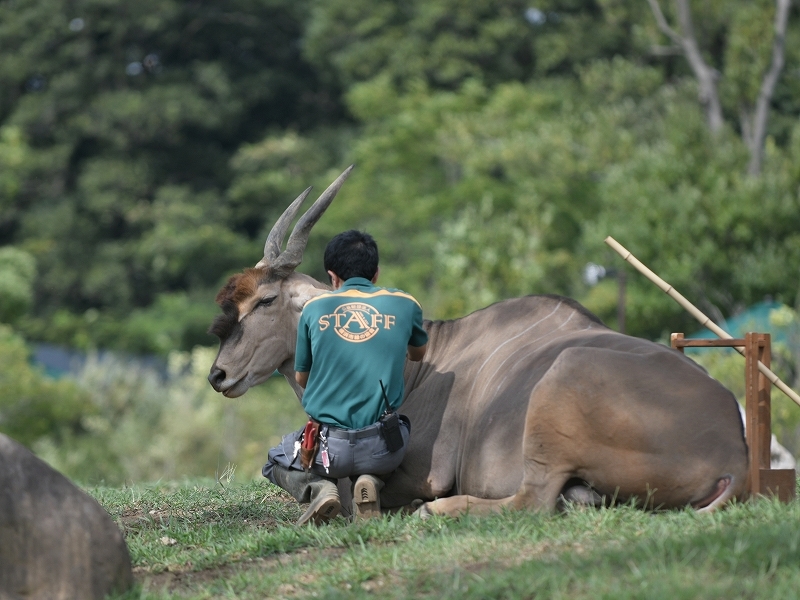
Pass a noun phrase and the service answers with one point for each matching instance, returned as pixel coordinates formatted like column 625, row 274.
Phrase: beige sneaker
column 366, row 497
column 325, row 503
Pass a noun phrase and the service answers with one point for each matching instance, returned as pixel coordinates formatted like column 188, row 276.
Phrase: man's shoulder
column 341, row 296
column 317, row 299
column 395, row 293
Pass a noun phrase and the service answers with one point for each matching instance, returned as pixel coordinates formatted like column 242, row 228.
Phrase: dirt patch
column 184, row 579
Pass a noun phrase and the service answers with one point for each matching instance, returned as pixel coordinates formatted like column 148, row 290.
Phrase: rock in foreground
column 56, row 541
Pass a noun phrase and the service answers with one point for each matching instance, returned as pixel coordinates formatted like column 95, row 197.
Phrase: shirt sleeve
column 419, row 337
column 302, row 353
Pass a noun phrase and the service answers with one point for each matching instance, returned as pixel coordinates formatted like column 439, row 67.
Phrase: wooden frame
column 763, row 479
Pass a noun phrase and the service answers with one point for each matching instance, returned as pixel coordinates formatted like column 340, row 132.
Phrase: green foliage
column 33, row 406
column 174, row 320
column 145, row 151
column 119, row 122
column 139, row 426
column 683, row 207
column 17, row 272
column 270, row 173
column 447, row 42
column 442, row 43
column 122, row 421
column 749, row 50
column 479, row 270
column 13, row 158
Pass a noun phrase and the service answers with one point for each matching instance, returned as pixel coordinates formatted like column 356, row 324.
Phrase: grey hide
column 56, row 541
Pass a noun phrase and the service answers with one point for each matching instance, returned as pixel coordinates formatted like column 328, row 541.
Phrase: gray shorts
column 352, row 452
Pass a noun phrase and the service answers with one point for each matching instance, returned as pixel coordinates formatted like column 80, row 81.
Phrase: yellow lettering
column 388, row 321
column 360, row 321
column 323, row 322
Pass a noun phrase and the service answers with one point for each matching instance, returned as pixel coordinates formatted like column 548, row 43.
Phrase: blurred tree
column 140, row 427
column 445, row 42
column 496, row 144
column 750, row 63
column 500, row 181
column 270, row 173
column 14, row 156
column 17, row 271
column 132, row 113
column 32, row 405
column 683, row 206
column 442, row 42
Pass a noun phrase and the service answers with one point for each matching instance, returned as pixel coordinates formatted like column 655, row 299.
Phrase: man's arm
column 416, row 353
column 301, row 377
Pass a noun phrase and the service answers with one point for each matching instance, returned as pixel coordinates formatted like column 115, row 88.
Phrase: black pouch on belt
column 390, row 426
column 390, row 429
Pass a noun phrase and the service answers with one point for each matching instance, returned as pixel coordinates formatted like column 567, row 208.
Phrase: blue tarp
column 58, row 361
column 754, row 319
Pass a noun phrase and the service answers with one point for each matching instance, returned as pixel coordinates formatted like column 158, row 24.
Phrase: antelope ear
column 302, row 292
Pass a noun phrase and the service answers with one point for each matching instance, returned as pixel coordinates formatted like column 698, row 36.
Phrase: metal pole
column 697, row 314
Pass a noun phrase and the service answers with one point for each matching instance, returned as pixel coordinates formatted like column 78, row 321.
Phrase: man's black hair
column 352, row 254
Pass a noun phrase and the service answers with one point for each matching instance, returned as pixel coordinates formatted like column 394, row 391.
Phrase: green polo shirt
column 350, row 339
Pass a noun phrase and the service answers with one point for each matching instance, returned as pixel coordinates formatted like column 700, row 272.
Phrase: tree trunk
column 754, row 123
column 706, row 75
column 753, row 120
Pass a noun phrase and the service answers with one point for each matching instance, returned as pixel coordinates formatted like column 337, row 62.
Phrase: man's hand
column 416, row 353
column 301, row 378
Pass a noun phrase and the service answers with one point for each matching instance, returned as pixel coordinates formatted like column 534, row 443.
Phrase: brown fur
column 239, row 288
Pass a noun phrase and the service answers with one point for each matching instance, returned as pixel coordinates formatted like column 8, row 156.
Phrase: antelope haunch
column 514, row 404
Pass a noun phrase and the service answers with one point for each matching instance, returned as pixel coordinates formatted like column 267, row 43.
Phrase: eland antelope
column 514, row 405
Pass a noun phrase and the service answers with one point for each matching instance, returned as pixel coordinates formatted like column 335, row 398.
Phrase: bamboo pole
column 696, row 313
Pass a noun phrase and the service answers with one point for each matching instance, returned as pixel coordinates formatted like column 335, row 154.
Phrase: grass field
column 198, row 539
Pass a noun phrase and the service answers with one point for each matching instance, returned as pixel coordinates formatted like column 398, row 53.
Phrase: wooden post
column 763, row 479
column 757, row 407
column 675, row 340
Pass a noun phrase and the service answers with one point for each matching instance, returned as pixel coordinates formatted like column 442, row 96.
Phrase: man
column 352, row 344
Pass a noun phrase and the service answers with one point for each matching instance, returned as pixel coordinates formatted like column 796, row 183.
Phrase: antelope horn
column 272, row 248
column 288, row 260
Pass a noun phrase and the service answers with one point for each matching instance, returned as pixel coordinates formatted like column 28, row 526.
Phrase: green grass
column 200, row 540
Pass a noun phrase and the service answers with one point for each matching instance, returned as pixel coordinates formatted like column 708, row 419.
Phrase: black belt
column 348, row 434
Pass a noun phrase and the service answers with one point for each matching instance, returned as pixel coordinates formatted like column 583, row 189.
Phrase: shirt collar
column 355, row 283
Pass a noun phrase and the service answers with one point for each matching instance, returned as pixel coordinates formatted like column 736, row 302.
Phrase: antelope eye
column 266, row 301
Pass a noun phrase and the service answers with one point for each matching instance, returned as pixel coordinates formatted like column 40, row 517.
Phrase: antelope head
column 261, row 306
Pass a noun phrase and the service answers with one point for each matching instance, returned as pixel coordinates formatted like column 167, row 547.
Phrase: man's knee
column 268, row 471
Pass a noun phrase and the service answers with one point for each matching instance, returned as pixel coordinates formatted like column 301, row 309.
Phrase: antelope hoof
column 423, row 512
